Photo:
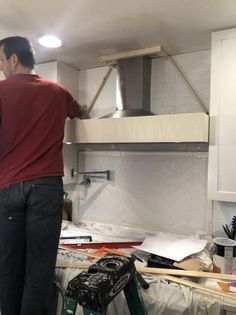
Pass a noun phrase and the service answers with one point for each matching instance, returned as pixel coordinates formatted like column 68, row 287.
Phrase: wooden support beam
column 151, row 51
column 186, row 82
column 104, row 80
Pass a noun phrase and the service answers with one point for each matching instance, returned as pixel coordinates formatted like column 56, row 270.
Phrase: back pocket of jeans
column 4, row 197
column 46, row 198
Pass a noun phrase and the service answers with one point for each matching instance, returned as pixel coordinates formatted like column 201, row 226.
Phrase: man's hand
column 83, row 113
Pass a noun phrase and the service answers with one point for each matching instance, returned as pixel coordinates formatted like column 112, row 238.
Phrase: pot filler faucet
column 87, row 176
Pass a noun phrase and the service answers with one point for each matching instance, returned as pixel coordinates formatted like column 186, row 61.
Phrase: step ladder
column 104, row 280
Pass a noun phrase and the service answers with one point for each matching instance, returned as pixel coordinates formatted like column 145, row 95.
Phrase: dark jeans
column 30, row 223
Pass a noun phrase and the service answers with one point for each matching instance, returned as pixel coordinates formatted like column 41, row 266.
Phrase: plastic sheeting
column 162, row 297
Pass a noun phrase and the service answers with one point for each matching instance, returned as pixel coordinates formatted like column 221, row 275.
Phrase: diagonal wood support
column 186, row 82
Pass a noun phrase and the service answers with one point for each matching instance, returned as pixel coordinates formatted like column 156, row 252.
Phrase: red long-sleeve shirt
column 32, row 118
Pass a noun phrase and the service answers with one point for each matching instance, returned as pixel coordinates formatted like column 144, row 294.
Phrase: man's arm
column 0, row 112
column 74, row 109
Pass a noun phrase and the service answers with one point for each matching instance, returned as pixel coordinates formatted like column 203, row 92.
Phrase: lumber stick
column 187, row 273
column 84, row 265
column 156, row 50
column 199, row 286
column 104, row 80
column 77, row 265
column 159, row 271
column 79, row 251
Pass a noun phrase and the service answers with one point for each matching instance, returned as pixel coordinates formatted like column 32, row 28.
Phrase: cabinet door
column 61, row 73
column 69, row 77
column 48, row 70
column 222, row 149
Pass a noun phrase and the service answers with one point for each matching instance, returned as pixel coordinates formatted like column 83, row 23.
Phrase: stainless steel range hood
column 135, row 87
column 136, row 124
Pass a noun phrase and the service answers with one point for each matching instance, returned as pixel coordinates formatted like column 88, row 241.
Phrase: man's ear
column 14, row 60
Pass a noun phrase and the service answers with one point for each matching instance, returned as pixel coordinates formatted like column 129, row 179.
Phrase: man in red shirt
column 32, row 118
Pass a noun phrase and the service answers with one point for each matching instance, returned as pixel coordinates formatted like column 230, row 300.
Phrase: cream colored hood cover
column 174, row 128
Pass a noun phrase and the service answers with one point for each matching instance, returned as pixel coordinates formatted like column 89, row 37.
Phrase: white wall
column 153, row 190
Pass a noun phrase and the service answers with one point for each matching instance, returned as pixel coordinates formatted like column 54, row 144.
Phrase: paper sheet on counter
column 171, row 247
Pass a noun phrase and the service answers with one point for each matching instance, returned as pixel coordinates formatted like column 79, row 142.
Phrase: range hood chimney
column 135, row 87
column 134, row 71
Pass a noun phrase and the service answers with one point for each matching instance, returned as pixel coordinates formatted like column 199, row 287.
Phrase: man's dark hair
column 20, row 46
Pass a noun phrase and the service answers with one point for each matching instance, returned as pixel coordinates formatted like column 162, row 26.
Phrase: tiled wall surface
column 169, row 92
column 150, row 190
column 168, row 190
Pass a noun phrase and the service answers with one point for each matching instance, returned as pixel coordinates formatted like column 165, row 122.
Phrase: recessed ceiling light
column 50, row 41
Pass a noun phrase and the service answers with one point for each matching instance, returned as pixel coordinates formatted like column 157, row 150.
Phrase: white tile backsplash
column 151, row 190
column 168, row 92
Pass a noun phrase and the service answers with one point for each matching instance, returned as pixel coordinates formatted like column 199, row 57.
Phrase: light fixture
column 50, row 41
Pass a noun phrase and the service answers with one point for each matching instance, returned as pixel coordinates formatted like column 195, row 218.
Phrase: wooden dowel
column 82, row 265
column 186, row 82
column 175, row 272
column 198, row 286
column 104, row 80
column 79, row 251
column 156, row 50
column 161, row 271
column 187, row 273
column 76, row 265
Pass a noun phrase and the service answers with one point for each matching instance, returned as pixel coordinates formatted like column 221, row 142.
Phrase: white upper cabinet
column 222, row 148
column 61, row 73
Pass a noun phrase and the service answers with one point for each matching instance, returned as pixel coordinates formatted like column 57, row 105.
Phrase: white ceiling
column 92, row 28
